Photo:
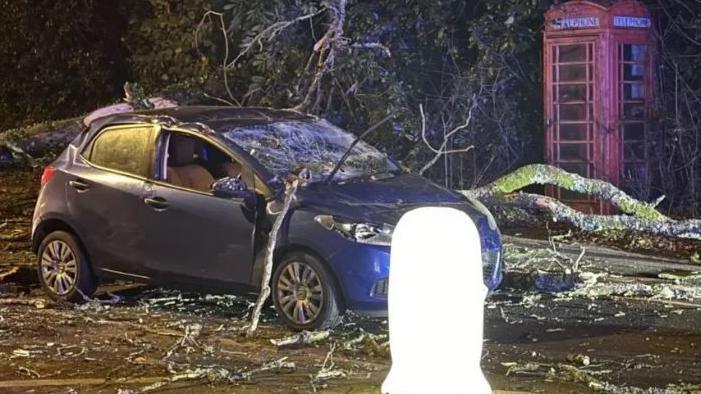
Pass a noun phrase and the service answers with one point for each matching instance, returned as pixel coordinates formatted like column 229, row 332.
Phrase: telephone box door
column 572, row 105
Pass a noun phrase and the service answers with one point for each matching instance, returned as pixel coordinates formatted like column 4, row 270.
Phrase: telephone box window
column 633, row 91
column 573, row 111
column 572, row 53
column 633, row 61
column 634, row 53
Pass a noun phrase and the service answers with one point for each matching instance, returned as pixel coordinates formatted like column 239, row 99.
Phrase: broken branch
column 443, row 148
column 290, row 192
column 544, row 174
column 301, row 339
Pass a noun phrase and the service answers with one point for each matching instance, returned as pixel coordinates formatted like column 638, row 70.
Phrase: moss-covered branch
column 690, row 229
column 639, row 216
column 543, row 174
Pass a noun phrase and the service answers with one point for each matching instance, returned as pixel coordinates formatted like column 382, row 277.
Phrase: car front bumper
column 363, row 272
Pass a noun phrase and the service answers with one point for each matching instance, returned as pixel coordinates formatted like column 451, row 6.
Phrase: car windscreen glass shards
column 289, row 146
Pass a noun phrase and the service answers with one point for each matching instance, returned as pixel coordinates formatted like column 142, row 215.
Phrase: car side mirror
column 230, row 187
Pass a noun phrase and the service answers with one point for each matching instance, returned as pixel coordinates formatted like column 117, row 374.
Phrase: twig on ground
column 301, row 339
column 188, row 340
column 328, row 370
column 10, row 272
column 220, row 374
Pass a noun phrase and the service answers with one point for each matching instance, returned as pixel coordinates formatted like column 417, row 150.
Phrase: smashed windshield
column 289, row 146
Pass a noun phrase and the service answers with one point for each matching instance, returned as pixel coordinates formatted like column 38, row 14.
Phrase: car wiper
column 353, row 144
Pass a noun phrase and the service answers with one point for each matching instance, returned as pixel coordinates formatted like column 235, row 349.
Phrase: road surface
column 611, row 334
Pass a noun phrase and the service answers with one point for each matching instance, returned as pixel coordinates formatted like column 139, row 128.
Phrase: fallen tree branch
column 639, row 216
column 301, row 339
column 544, row 174
column 690, row 229
column 290, row 192
column 39, row 303
column 225, row 62
column 188, row 340
column 328, row 370
column 220, row 374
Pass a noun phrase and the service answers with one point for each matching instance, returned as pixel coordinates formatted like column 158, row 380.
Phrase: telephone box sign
column 576, row 23
column 631, row 21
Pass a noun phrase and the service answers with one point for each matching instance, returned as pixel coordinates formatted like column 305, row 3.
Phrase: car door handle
column 157, row 203
column 79, row 185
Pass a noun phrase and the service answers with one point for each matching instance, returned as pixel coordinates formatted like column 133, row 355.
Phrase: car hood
column 380, row 201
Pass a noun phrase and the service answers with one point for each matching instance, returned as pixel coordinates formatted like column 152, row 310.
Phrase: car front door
column 104, row 192
column 191, row 234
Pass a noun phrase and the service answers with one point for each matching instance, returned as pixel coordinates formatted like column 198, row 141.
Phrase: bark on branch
column 290, row 192
column 690, row 229
column 543, row 174
column 639, row 216
column 325, row 51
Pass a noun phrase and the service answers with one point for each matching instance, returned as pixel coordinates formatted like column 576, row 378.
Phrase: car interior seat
column 183, row 169
column 233, row 169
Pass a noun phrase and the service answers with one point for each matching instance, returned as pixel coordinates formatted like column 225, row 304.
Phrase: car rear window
column 124, row 149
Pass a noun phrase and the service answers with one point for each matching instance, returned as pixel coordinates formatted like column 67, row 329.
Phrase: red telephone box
column 598, row 90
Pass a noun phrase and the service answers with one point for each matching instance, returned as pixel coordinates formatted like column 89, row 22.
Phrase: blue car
column 186, row 197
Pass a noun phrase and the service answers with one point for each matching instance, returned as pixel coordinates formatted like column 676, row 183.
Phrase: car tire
column 63, row 268
column 311, row 301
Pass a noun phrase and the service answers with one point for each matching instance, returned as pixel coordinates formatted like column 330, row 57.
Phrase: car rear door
column 194, row 236
column 104, row 192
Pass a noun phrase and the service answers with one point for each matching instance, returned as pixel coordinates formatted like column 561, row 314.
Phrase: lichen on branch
column 638, row 216
column 689, row 229
column 544, row 174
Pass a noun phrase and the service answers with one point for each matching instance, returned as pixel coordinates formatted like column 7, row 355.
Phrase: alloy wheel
column 300, row 293
column 59, row 267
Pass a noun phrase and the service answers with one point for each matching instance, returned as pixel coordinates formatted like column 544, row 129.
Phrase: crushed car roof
column 215, row 117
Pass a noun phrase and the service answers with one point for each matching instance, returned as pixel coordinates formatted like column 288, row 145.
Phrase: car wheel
column 63, row 269
column 305, row 294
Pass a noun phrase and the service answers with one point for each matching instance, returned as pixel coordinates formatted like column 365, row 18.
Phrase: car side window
column 125, row 149
column 193, row 163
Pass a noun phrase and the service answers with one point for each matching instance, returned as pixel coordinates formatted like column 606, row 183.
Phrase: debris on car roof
column 121, row 108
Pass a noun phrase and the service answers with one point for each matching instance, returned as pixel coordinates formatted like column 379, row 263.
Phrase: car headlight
column 491, row 268
column 365, row 233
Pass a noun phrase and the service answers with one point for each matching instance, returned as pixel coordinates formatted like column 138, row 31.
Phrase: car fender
column 300, row 232
column 65, row 220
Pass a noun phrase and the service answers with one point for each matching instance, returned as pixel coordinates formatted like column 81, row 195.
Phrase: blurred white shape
column 436, row 299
